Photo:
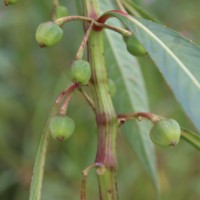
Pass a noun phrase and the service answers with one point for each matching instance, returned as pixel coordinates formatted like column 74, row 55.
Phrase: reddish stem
column 129, row 116
column 66, row 92
column 102, row 19
column 63, row 108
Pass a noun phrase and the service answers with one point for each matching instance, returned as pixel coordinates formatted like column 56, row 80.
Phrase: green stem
column 105, row 114
column 88, row 99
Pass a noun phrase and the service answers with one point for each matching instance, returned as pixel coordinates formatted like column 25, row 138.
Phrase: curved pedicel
column 102, row 19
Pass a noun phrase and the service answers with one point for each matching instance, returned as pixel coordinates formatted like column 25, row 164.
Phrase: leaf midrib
column 178, row 61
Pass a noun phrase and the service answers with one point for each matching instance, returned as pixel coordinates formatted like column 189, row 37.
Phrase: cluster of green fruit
column 165, row 132
column 61, row 127
column 48, row 34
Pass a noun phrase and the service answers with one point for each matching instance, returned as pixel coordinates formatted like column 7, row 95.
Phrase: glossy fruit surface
column 60, row 11
column 80, row 71
column 134, row 47
column 61, row 127
column 48, row 34
column 165, row 133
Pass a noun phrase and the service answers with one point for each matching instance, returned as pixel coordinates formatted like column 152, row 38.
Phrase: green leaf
column 176, row 57
column 135, row 10
column 190, row 137
column 131, row 96
column 38, row 172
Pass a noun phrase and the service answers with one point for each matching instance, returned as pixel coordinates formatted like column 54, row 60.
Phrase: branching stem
column 88, row 99
column 122, row 118
column 63, row 20
column 106, row 118
column 85, row 173
column 80, row 51
column 66, row 92
column 54, row 5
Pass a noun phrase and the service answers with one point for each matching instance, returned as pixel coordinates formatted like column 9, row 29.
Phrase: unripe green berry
column 61, row 127
column 9, row 2
column 80, row 71
column 48, row 34
column 165, row 133
column 60, row 11
column 112, row 87
column 134, row 47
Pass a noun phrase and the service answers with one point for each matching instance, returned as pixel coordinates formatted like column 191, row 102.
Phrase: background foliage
column 31, row 78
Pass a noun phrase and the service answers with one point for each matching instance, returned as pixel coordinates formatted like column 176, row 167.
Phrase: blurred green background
column 30, row 80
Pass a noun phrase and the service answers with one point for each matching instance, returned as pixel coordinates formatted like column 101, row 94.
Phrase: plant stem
column 85, row 173
column 64, row 106
column 81, row 49
column 138, row 115
column 63, row 20
column 105, row 114
column 88, row 99
column 66, row 92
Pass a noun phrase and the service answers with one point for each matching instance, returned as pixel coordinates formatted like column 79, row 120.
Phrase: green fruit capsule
column 61, row 127
column 48, row 34
column 60, row 11
column 134, row 47
column 165, row 133
column 80, row 71
column 9, row 2
column 112, row 87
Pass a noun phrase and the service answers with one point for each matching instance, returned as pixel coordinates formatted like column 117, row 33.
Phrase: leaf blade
column 176, row 58
column 135, row 10
column 38, row 171
column 190, row 137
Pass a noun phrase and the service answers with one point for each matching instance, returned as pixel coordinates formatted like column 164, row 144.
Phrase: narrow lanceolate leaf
column 135, row 10
column 176, row 57
column 38, row 172
column 130, row 97
column 190, row 137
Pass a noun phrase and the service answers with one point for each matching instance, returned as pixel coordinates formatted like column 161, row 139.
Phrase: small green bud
column 61, row 127
column 9, row 2
column 60, row 11
column 165, row 133
column 80, row 71
column 112, row 87
column 134, row 47
column 48, row 34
